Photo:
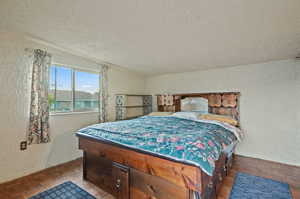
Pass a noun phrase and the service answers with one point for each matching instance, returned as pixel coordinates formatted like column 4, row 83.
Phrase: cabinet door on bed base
column 120, row 181
column 107, row 175
column 98, row 170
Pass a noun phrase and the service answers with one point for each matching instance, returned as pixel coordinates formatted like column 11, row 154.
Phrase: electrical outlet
column 23, row 145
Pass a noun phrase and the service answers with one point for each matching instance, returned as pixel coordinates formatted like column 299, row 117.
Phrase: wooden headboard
column 221, row 103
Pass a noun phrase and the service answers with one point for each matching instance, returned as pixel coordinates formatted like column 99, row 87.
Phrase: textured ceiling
column 162, row 36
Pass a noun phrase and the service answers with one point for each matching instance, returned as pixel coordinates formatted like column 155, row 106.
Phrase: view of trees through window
column 73, row 90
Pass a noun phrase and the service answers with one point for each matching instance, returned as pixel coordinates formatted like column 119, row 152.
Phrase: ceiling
column 162, row 36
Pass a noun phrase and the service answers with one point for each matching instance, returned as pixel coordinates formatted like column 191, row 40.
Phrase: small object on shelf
column 166, row 103
column 130, row 106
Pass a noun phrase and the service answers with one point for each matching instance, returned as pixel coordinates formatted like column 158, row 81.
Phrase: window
column 72, row 90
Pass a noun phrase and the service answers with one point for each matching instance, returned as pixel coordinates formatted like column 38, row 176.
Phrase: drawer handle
column 102, row 155
column 220, row 177
column 151, row 188
column 118, row 183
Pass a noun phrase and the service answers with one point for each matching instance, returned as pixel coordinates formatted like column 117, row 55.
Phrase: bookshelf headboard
column 221, row 103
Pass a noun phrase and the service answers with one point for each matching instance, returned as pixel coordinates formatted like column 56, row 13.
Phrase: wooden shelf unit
column 130, row 106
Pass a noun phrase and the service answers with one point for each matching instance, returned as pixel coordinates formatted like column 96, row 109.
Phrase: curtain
column 103, row 96
column 39, row 106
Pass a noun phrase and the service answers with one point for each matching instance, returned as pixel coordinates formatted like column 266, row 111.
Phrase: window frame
column 73, row 71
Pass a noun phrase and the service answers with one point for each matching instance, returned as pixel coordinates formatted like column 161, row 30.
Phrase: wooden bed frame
column 127, row 173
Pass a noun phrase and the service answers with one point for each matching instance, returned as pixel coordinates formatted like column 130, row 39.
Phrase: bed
column 162, row 157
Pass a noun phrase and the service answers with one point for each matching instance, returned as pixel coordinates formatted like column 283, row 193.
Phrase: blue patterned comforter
column 198, row 143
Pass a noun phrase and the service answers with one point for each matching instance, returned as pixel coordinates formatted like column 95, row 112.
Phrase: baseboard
column 48, row 168
column 268, row 169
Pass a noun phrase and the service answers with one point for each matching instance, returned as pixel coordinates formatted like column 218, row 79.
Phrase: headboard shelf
column 221, row 103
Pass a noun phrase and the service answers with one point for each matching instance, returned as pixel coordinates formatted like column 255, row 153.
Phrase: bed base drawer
column 145, row 186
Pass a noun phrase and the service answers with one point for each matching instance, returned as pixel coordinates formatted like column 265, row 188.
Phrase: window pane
column 63, row 101
column 86, row 91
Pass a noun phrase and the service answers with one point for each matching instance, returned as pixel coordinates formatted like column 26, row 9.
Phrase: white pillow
column 194, row 104
column 187, row 115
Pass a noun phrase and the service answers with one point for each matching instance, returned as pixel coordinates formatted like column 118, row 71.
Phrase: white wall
column 270, row 95
column 14, row 107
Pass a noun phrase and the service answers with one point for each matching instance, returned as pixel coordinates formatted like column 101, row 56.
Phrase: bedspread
column 197, row 143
